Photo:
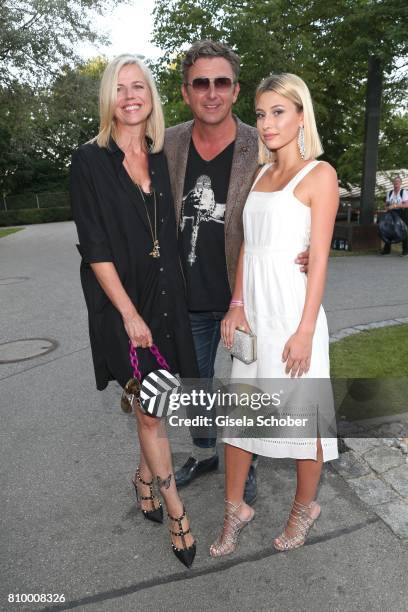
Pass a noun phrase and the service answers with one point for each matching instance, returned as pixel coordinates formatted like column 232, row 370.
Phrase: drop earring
column 301, row 141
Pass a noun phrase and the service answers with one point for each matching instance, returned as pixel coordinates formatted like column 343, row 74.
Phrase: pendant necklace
column 156, row 246
column 155, row 252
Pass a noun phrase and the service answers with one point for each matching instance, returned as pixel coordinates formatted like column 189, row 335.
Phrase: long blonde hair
column 294, row 89
column 108, row 97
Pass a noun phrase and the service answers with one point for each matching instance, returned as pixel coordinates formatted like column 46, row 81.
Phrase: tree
column 38, row 36
column 69, row 114
column 16, row 134
column 393, row 143
column 40, row 128
column 48, row 98
column 326, row 43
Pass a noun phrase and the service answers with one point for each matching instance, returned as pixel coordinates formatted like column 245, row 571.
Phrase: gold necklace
column 156, row 246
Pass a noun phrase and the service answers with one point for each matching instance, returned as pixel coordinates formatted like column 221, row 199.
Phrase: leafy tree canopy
column 40, row 128
column 38, row 36
column 48, row 97
column 326, row 43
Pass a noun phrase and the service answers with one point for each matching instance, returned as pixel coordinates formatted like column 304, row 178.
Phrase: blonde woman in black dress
column 130, row 270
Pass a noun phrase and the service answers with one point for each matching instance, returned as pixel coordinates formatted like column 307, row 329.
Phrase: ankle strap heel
column 156, row 513
column 301, row 519
column 187, row 553
column 233, row 525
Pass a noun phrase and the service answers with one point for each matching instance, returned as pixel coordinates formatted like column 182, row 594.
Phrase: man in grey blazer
column 212, row 161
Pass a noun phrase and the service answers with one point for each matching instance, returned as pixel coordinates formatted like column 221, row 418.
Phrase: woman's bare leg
column 237, row 464
column 237, row 512
column 156, row 464
column 308, row 476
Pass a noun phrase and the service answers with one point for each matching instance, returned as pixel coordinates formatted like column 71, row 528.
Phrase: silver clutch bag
column 244, row 346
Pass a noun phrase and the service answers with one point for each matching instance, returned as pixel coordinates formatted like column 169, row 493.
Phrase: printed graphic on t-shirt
column 201, row 202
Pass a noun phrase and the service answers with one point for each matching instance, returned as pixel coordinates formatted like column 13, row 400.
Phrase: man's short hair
column 209, row 48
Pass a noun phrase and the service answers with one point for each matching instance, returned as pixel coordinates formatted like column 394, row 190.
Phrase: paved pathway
column 69, row 520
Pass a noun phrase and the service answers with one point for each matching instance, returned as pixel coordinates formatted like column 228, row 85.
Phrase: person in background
column 397, row 199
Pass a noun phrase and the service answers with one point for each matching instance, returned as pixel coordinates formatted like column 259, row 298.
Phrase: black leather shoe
column 194, row 468
column 186, row 554
column 251, row 488
column 155, row 514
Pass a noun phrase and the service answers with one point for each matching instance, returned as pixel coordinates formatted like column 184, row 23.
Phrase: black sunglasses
column 203, row 83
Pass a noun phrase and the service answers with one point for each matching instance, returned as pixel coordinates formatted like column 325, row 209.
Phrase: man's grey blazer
column 244, row 165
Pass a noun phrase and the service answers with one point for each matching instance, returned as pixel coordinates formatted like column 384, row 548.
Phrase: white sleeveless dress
column 277, row 228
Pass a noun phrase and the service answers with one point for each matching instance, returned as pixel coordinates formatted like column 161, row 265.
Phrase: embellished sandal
column 187, row 553
column 302, row 517
column 156, row 513
column 233, row 525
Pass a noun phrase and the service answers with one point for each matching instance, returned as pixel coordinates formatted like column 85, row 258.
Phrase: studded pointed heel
column 156, row 513
column 187, row 553
column 302, row 518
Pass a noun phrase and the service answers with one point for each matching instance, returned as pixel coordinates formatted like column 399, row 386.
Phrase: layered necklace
column 155, row 252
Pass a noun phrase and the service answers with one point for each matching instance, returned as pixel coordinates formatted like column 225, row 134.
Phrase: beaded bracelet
column 236, row 303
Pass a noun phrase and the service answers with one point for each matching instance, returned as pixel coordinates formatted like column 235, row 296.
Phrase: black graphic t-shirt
column 201, row 231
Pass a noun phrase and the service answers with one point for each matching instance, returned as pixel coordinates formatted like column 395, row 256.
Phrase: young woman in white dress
column 293, row 204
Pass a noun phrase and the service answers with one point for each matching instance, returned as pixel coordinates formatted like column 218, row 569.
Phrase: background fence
column 348, row 208
column 25, row 201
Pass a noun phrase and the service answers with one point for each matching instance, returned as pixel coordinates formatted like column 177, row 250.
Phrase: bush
column 34, row 215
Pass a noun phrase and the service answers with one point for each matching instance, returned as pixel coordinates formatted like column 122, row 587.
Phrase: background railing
column 45, row 199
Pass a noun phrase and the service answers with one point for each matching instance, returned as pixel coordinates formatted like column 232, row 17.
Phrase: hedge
column 34, row 215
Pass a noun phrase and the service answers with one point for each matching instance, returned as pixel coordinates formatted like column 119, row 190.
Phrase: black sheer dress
column 112, row 225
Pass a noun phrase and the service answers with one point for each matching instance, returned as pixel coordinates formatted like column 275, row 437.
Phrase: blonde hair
column 108, row 97
column 294, row 89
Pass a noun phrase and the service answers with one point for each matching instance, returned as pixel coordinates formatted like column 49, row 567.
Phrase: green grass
column 379, row 360
column 9, row 230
